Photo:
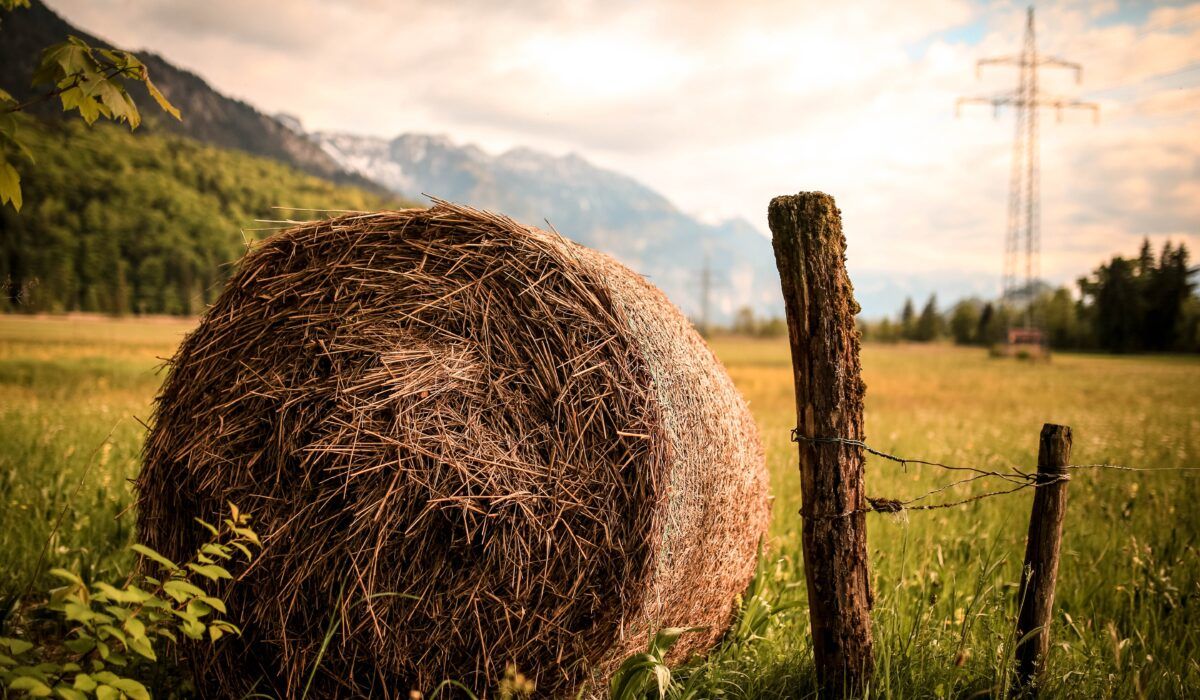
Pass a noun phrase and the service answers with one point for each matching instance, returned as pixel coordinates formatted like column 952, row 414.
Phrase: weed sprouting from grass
column 336, row 616
column 648, row 675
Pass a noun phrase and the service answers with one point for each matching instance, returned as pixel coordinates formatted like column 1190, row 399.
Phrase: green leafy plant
column 115, row 633
column 87, row 80
column 647, row 674
column 760, row 607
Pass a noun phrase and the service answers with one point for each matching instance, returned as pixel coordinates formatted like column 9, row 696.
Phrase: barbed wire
column 1123, row 468
column 1021, row 479
column 1015, row 475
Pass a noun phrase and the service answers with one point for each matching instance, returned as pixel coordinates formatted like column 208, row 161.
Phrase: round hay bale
column 466, row 443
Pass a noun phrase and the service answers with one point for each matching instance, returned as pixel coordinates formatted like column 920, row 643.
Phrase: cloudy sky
column 722, row 105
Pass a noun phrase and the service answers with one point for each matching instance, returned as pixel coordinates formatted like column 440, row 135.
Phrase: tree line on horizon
column 1144, row 303
column 120, row 224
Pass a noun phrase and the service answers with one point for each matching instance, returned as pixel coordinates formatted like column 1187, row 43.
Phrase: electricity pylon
column 1024, row 206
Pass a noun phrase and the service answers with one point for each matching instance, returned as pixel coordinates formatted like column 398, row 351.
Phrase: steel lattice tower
column 1022, row 240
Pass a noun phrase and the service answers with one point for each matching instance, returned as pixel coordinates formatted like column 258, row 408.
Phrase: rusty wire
column 1023, row 480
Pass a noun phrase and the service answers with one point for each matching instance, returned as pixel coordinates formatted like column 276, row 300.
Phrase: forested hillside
column 119, row 223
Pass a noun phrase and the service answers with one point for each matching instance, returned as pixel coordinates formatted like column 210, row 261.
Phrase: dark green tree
column 908, row 320
column 964, row 321
column 1167, row 288
column 994, row 321
column 929, row 324
column 1060, row 320
column 1113, row 290
column 1133, row 305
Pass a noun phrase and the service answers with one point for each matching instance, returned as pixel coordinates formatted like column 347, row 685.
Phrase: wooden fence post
column 806, row 232
column 1042, row 552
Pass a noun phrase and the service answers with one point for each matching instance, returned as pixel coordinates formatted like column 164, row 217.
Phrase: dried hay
column 466, row 442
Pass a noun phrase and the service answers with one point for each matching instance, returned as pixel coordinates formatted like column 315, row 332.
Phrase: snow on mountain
column 370, row 157
column 596, row 207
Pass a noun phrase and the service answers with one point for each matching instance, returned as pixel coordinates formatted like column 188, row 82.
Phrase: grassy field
column 1128, row 608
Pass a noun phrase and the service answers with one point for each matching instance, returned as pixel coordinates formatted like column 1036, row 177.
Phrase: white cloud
column 722, row 105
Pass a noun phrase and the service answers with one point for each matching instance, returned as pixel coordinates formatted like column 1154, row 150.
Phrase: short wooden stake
column 1042, row 553
column 806, row 231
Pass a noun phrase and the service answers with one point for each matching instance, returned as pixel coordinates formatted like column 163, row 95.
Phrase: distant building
column 1025, row 342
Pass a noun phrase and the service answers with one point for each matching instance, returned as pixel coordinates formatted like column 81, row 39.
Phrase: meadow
column 73, row 393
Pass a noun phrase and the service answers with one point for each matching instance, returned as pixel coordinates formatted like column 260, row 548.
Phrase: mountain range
column 599, row 208
column 591, row 205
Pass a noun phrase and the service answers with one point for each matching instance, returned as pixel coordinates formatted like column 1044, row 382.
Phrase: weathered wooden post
column 1042, row 552
column 806, row 231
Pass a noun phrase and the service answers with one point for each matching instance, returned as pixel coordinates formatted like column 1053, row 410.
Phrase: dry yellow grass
column 1129, row 594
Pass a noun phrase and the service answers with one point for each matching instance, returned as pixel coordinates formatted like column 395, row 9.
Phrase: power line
column 1022, row 242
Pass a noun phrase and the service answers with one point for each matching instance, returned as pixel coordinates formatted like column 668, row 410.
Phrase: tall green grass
column 1127, row 618
column 71, row 394
column 1128, row 605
